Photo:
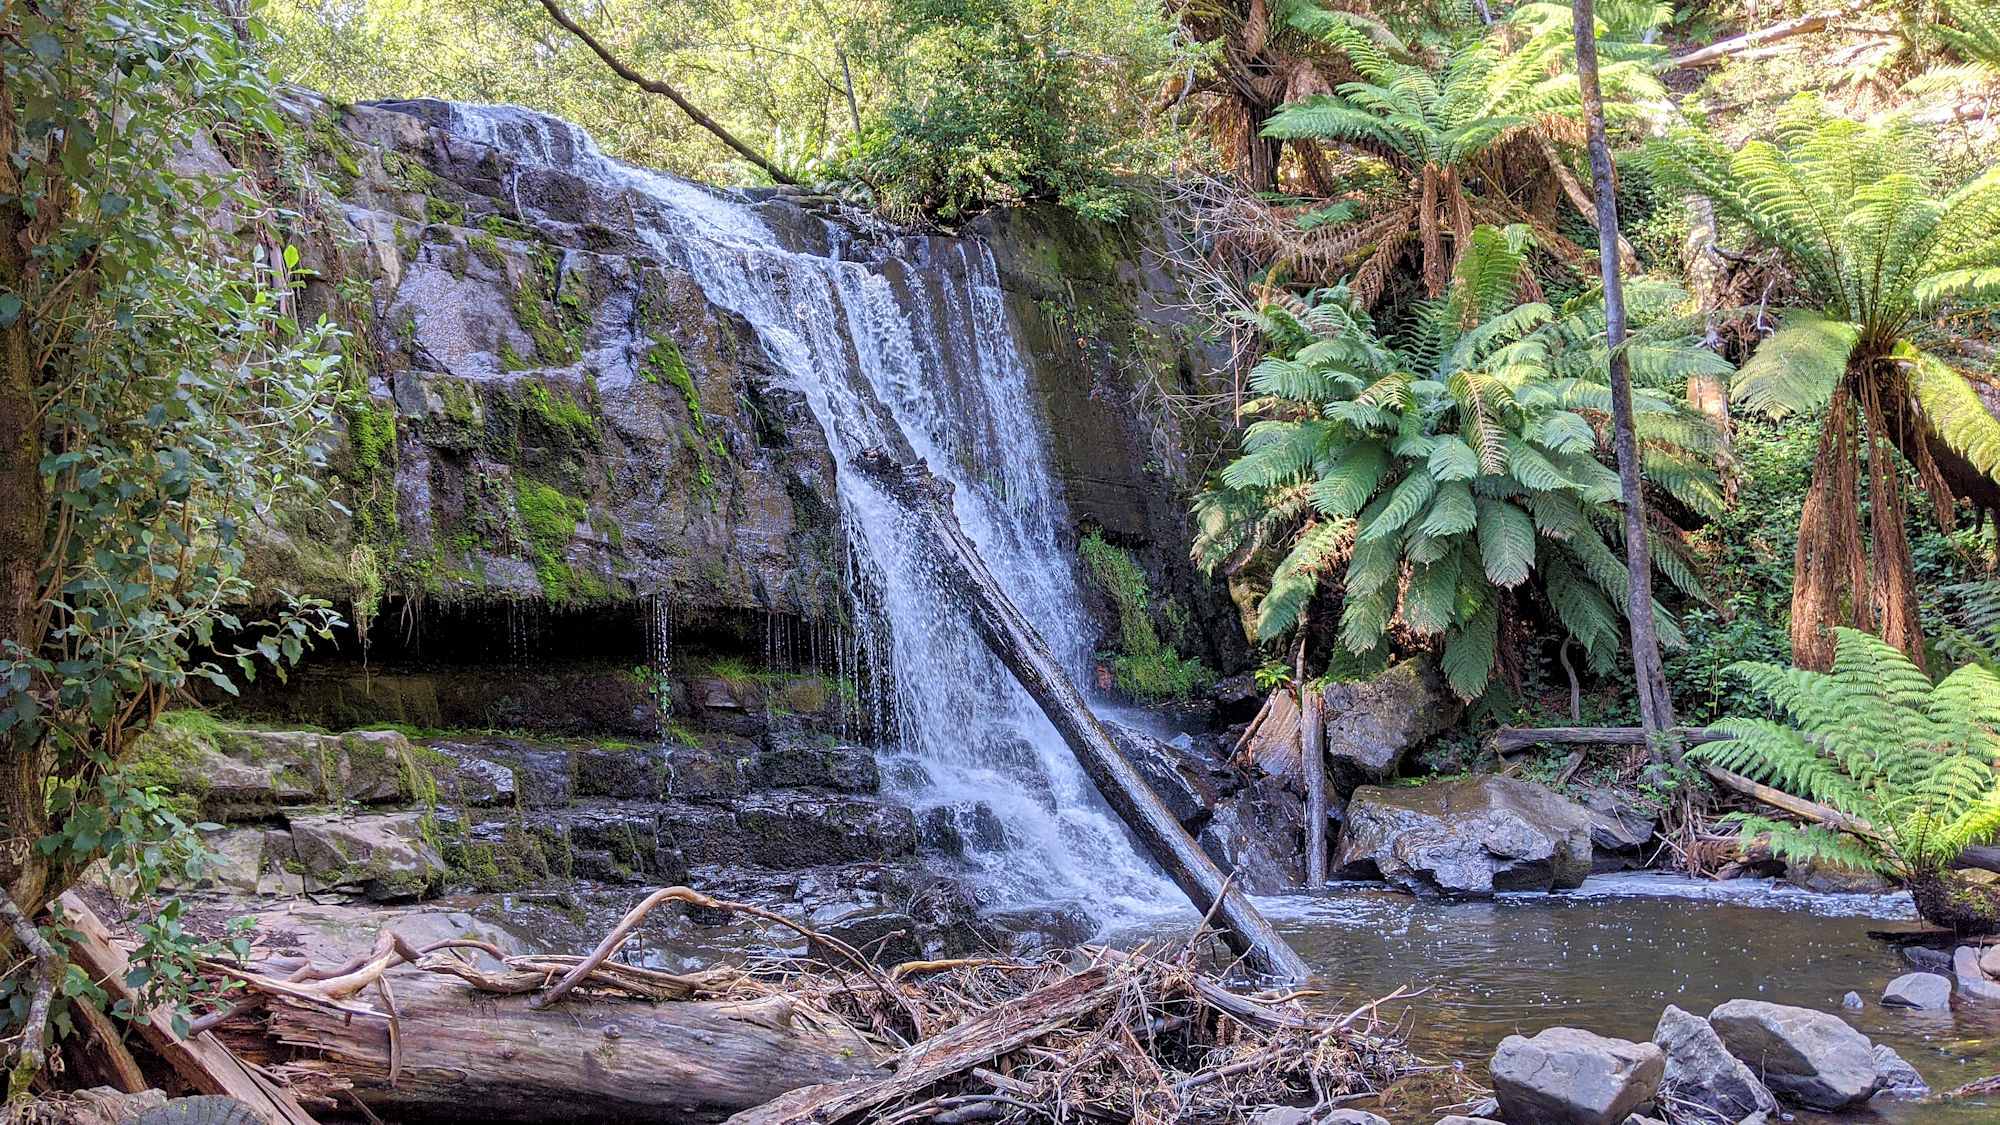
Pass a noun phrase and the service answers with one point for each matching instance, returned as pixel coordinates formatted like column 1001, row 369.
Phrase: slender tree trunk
column 1312, row 763
column 23, row 538
column 1656, row 708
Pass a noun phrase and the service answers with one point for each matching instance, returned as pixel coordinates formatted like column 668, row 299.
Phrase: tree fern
column 1880, row 253
column 1874, row 739
column 1447, row 470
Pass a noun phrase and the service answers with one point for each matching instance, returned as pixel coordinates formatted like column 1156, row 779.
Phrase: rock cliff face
column 553, row 413
column 556, row 417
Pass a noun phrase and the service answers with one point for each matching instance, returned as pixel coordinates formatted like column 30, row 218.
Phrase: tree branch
column 34, row 1030
column 654, row 86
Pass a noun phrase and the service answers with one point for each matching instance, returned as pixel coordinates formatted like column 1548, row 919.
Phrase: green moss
column 488, row 249
column 369, row 471
column 550, row 519
column 336, row 156
column 664, row 363
column 1145, row 666
column 500, row 226
column 169, row 757
column 510, row 360
column 444, row 211
column 560, row 422
column 557, row 332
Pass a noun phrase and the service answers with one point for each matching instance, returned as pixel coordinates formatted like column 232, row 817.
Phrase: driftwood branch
column 655, row 86
column 1716, row 52
column 199, row 1059
column 1019, row 645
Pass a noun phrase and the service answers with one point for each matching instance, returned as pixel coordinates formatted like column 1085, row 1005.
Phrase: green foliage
column 175, row 400
column 1004, row 100
column 1876, row 245
column 1966, row 623
column 1464, row 461
column 1145, row 667
column 1877, row 741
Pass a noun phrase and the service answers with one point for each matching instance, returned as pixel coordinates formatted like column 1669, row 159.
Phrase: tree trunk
column 1260, row 167
column 1020, row 647
column 23, row 539
column 1656, row 707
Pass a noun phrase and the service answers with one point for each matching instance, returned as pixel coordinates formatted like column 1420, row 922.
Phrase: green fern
column 1913, row 762
column 1464, row 463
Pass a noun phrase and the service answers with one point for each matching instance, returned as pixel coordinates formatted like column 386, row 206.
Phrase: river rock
column 1175, row 774
column 1852, row 1001
column 1372, row 724
column 1471, row 837
column 1989, row 960
column 1896, row 1078
column 1293, row 1115
column 1702, row 1077
column 1809, row 1058
column 1461, row 1119
column 1567, row 1076
column 1928, row 991
column 383, row 857
column 1971, row 981
column 1258, row 834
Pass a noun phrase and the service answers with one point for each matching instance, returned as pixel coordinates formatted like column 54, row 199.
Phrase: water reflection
column 1610, row 958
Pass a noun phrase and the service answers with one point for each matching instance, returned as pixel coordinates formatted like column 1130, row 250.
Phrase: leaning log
column 448, row 1052
column 1018, row 645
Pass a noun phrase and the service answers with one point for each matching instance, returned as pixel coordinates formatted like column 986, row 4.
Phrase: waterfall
column 902, row 342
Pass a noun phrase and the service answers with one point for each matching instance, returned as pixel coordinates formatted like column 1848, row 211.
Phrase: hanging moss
column 1145, row 667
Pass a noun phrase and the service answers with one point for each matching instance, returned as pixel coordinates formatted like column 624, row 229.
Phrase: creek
column 1611, row 955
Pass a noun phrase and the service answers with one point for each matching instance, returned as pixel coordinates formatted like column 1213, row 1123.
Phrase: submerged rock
column 1702, row 1077
column 1808, row 1058
column 1918, row 990
column 1470, row 837
column 1566, row 1076
column 1896, row 1078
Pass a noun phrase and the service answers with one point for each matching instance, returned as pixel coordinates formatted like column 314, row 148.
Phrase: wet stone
column 1566, row 1076
column 1807, row 1058
column 1927, row 991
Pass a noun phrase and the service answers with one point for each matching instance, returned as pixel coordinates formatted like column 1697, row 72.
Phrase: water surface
column 1610, row 957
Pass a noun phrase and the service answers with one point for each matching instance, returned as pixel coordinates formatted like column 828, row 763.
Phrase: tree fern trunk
column 1830, row 571
column 1656, row 705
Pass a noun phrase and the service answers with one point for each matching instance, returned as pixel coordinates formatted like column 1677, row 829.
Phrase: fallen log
column 200, row 1060
column 449, row 1052
column 1513, row 740
column 1018, row 645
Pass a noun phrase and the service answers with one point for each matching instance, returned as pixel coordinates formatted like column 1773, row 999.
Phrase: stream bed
column 1609, row 957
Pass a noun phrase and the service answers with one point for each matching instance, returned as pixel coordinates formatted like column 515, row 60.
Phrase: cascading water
column 902, row 342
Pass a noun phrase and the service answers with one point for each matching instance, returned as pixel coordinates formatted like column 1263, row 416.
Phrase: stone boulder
column 1927, row 991
column 794, row 760
column 1702, row 1078
column 1260, row 835
column 792, row 829
column 1896, row 1078
column 1811, row 1059
column 1620, row 826
column 1180, row 779
column 1372, row 724
column 1471, row 837
column 383, row 857
column 1972, row 980
column 1565, row 1076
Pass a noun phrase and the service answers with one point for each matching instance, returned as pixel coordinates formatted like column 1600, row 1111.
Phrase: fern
column 1912, row 762
column 1452, row 468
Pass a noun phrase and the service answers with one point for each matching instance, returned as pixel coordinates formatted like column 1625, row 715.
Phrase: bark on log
column 1014, row 639
column 467, row 1055
column 1513, row 740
